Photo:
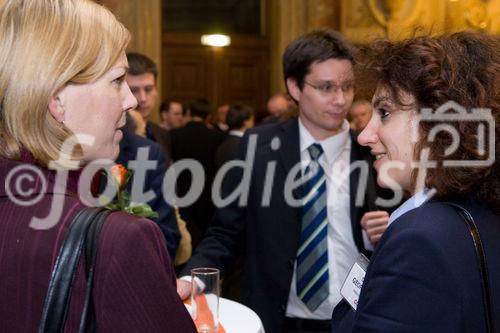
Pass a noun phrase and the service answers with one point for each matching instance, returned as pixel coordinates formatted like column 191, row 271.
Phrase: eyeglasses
column 328, row 89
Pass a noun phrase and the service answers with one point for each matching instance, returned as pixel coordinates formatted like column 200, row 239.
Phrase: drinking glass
column 205, row 299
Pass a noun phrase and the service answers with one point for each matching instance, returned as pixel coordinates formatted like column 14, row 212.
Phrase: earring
column 63, row 109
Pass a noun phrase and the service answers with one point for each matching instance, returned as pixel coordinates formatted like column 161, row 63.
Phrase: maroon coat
column 134, row 286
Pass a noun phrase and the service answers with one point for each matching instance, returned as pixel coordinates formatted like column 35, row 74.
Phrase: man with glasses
column 298, row 255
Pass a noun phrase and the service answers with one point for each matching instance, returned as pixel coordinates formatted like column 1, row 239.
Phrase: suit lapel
column 354, row 178
column 290, row 145
column 289, row 157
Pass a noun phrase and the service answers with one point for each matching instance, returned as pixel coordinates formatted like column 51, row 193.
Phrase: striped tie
column 312, row 256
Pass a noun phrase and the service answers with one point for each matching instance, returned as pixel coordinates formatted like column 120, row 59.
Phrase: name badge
column 354, row 281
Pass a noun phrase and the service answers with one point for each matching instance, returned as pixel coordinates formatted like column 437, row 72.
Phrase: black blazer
column 161, row 136
column 424, row 275
column 268, row 235
column 196, row 141
column 226, row 151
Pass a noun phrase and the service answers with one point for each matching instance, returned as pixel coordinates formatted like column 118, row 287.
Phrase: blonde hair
column 45, row 45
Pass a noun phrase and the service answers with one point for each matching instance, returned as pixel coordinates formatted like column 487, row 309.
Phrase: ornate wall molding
column 480, row 15
column 364, row 20
column 287, row 19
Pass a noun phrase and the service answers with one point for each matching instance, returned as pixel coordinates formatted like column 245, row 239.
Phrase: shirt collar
column 236, row 133
column 417, row 200
column 332, row 146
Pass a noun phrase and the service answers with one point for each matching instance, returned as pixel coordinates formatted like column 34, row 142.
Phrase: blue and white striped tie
column 312, row 256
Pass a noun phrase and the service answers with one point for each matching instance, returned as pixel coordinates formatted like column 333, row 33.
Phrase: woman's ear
column 293, row 89
column 56, row 109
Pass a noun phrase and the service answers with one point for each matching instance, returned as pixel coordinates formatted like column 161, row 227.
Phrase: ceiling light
column 216, row 40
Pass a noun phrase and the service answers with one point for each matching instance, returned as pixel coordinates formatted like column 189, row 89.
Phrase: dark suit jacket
column 424, row 276
column 226, row 150
column 154, row 181
column 269, row 120
column 196, row 141
column 269, row 235
column 159, row 135
column 231, row 284
column 134, row 283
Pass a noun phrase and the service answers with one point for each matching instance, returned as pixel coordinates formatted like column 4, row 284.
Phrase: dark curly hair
column 462, row 67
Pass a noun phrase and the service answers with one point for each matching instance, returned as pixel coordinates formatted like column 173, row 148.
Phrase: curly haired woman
column 424, row 275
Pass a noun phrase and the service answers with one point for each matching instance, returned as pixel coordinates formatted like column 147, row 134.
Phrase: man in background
column 277, row 107
column 196, row 141
column 141, row 79
column 218, row 119
column 360, row 113
column 240, row 117
column 171, row 114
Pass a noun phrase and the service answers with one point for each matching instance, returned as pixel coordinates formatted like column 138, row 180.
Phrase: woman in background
column 62, row 74
column 424, row 275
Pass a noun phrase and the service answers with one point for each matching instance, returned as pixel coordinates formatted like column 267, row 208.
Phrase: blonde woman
column 62, row 81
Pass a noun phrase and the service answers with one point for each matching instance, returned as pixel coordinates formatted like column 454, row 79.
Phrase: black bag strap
column 483, row 269
column 88, row 322
column 84, row 230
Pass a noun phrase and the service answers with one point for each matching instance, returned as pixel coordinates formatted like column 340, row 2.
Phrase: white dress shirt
column 342, row 251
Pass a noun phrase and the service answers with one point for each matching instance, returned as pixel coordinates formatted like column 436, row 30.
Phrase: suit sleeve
column 224, row 239
column 408, row 288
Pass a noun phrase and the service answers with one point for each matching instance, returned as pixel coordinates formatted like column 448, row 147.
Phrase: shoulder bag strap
column 483, row 269
column 58, row 297
column 88, row 322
